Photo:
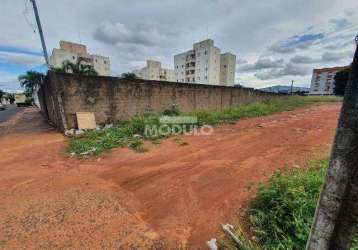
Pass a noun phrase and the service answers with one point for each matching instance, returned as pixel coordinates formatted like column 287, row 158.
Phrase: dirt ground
column 176, row 195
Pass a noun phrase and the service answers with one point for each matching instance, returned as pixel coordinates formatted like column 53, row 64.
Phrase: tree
column 81, row 67
column 11, row 98
column 129, row 76
column 30, row 81
column 336, row 216
column 1, row 95
column 340, row 81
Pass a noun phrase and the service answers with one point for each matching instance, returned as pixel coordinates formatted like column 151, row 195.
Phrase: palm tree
column 30, row 81
column 80, row 67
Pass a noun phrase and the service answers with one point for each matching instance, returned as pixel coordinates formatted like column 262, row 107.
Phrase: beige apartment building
column 322, row 82
column 227, row 69
column 154, row 71
column 204, row 64
column 72, row 51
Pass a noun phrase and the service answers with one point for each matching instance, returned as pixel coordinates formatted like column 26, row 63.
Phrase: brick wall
column 113, row 99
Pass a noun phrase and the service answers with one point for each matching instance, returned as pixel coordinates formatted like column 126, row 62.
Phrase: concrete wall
column 113, row 99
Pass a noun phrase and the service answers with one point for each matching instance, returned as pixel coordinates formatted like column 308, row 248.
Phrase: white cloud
column 119, row 33
column 289, row 69
column 21, row 59
column 9, row 82
column 132, row 31
column 262, row 63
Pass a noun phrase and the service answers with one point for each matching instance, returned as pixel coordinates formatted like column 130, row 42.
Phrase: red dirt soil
column 176, row 195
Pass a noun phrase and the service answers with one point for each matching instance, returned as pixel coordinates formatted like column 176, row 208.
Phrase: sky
column 275, row 41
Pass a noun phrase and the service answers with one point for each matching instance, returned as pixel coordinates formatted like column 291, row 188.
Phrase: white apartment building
column 72, row 51
column 154, row 71
column 322, row 82
column 204, row 64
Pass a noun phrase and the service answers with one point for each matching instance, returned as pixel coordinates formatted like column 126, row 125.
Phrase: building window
column 105, row 62
column 205, row 52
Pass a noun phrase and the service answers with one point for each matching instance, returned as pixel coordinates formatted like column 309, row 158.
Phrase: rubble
column 212, row 244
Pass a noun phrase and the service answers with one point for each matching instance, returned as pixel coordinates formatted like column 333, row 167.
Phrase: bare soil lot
column 173, row 196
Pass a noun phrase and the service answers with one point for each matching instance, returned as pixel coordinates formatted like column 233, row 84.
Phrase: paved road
column 10, row 111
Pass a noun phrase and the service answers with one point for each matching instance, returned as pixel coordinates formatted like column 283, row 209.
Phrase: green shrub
column 282, row 213
column 137, row 145
column 29, row 101
column 128, row 133
column 172, row 111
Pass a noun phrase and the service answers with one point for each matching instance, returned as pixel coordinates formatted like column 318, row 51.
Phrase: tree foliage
column 129, row 76
column 11, row 98
column 340, row 81
column 1, row 95
column 81, row 66
column 30, row 81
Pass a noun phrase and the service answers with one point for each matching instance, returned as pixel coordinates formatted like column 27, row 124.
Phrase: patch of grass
column 126, row 134
column 123, row 134
column 228, row 243
column 268, row 107
column 323, row 98
column 137, row 145
column 282, row 213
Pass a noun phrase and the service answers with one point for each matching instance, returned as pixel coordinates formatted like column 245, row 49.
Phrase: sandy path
column 171, row 196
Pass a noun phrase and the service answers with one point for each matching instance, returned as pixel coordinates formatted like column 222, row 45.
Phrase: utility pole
column 40, row 31
column 336, row 217
column 292, row 87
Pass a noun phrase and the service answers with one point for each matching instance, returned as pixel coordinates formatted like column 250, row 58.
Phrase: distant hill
column 284, row 89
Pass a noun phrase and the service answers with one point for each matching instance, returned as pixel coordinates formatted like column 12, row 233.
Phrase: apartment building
column 72, row 51
column 154, row 71
column 204, row 64
column 322, row 82
column 227, row 69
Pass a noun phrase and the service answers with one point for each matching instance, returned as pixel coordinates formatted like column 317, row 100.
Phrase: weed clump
column 282, row 212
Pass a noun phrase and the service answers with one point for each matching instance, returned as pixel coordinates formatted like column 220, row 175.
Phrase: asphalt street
column 10, row 111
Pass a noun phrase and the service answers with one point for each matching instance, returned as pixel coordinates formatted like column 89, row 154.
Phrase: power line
column 25, row 13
